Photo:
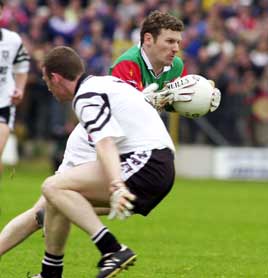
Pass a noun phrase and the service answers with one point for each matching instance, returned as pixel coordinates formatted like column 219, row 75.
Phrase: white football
column 202, row 91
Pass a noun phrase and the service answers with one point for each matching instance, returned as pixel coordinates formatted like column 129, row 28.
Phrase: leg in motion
column 4, row 133
column 57, row 231
column 21, row 227
column 65, row 192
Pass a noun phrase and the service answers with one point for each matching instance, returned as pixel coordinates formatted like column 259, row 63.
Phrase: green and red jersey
column 134, row 67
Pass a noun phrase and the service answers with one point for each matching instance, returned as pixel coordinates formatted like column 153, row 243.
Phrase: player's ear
column 55, row 77
column 148, row 38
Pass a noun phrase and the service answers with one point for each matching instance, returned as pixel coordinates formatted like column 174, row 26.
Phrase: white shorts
column 77, row 151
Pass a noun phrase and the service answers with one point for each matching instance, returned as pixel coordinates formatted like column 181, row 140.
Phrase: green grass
column 203, row 229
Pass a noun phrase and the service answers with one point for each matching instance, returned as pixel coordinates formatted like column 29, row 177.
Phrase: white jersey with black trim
column 77, row 151
column 13, row 59
column 108, row 107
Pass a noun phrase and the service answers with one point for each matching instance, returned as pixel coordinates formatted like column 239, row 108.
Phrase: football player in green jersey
column 154, row 60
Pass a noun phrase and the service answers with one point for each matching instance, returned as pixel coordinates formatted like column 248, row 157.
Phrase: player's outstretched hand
column 121, row 203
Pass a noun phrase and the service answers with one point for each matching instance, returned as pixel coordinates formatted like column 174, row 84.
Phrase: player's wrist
column 115, row 184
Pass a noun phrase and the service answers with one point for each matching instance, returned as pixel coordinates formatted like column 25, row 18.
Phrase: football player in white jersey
column 133, row 172
column 14, row 67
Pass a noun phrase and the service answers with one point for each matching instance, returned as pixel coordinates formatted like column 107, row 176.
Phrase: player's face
column 55, row 86
column 166, row 46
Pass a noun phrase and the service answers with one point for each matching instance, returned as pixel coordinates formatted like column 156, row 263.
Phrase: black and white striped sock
column 105, row 241
column 52, row 266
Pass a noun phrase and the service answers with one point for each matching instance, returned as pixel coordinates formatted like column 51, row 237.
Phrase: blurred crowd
column 224, row 40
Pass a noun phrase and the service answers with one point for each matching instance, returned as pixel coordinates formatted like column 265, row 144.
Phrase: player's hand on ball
column 178, row 90
column 216, row 97
column 150, row 88
column 181, row 89
column 120, row 202
column 215, row 100
column 158, row 99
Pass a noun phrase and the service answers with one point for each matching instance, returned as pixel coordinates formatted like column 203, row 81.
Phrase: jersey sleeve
column 130, row 72
column 184, row 71
column 94, row 113
column 21, row 63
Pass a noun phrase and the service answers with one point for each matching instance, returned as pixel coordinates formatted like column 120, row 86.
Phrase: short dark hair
column 156, row 21
column 1, row 3
column 64, row 61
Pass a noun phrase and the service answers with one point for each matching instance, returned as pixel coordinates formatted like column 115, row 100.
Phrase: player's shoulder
column 96, row 84
column 132, row 54
column 177, row 62
column 10, row 36
column 98, row 79
column 95, row 89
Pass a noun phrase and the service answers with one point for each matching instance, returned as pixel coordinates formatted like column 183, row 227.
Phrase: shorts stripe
column 7, row 116
column 132, row 163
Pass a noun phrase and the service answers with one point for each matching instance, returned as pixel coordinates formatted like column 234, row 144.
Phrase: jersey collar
column 80, row 80
column 149, row 65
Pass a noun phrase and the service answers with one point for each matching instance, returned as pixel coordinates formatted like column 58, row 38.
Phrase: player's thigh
column 88, row 179
column 4, row 133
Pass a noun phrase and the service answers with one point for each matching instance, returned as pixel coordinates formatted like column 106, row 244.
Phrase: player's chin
column 169, row 61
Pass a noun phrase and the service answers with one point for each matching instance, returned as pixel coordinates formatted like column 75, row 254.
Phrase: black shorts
column 149, row 175
column 7, row 116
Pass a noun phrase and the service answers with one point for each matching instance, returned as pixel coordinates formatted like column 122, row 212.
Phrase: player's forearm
column 109, row 158
column 20, row 80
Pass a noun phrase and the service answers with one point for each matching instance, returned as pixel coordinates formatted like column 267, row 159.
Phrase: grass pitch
column 203, row 229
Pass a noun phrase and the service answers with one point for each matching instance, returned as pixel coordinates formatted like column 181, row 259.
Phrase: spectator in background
column 260, row 113
column 14, row 66
column 61, row 23
column 37, row 100
column 61, row 123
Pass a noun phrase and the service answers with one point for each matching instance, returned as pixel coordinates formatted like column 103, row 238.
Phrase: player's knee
column 49, row 187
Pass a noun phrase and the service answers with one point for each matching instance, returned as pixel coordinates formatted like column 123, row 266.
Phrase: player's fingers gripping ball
column 202, row 95
column 216, row 100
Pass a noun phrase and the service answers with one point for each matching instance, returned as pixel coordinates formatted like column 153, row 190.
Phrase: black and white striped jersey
column 109, row 107
column 13, row 59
